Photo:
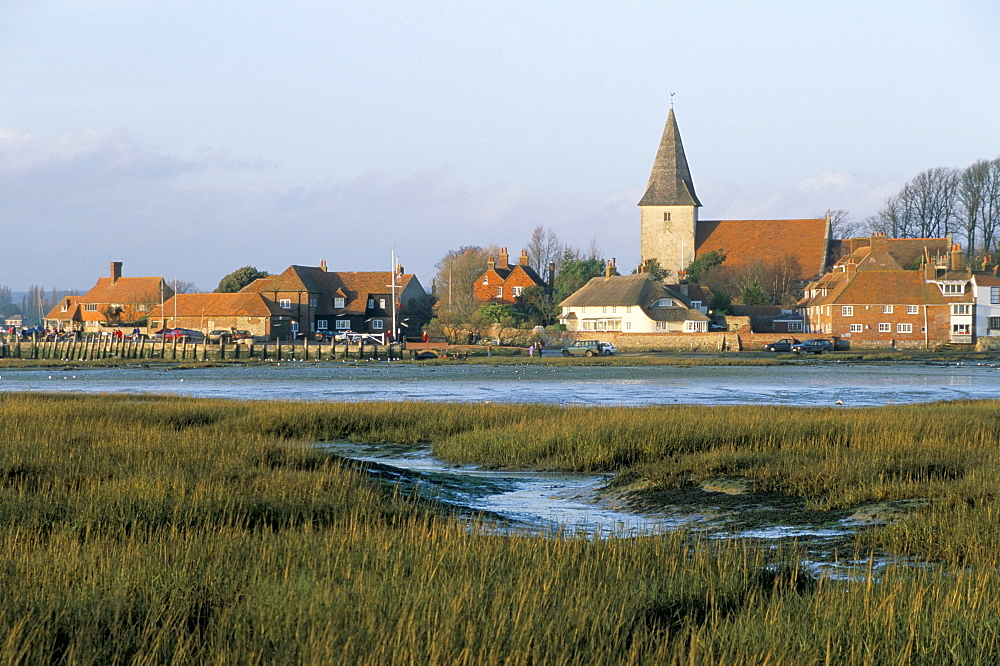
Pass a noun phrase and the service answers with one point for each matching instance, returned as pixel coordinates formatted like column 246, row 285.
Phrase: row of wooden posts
column 109, row 347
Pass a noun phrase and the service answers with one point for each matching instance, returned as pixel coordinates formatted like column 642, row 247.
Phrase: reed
column 163, row 529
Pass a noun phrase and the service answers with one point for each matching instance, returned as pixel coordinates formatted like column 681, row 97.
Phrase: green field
column 155, row 530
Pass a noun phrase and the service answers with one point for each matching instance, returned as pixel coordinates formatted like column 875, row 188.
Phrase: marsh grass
column 162, row 529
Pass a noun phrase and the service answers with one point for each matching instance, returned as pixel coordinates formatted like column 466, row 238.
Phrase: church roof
column 670, row 181
column 800, row 244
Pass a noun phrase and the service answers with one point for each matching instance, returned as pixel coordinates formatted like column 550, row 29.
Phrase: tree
column 703, row 264
column 535, row 303
column 652, row 266
column 7, row 306
column 924, row 208
column 187, row 287
column 575, row 273
column 238, row 279
column 457, row 274
column 544, row 247
column 842, row 225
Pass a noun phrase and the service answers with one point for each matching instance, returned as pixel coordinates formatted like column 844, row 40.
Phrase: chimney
column 503, row 263
column 609, row 269
column 986, row 261
column 552, row 276
column 957, row 260
column 322, row 265
column 879, row 243
column 850, row 268
column 399, row 269
column 930, row 269
column 491, row 264
column 524, row 258
column 116, row 271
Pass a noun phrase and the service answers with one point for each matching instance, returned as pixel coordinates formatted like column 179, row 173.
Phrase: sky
column 188, row 138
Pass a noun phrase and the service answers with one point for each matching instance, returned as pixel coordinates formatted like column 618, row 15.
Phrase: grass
column 163, row 529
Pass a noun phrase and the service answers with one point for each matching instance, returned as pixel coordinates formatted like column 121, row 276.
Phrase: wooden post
column 305, row 349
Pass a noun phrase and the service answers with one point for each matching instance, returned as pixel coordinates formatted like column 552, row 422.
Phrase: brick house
column 868, row 299
column 208, row 312
column 635, row 303
column 315, row 299
column 503, row 283
column 113, row 301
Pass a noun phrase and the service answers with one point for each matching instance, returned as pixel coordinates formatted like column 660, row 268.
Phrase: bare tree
column 972, row 186
column 842, row 225
column 457, row 273
column 990, row 220
column 892, row 219
column 184, row 287
column 931, row 202
column 543, row 246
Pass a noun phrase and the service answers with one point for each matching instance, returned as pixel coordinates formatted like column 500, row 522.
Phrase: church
column 672, row 234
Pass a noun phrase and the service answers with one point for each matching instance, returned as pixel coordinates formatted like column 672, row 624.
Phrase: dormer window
column 486, row 280
column 662, row 303
column 371, row 302
column 953, row 288
column 338, row 302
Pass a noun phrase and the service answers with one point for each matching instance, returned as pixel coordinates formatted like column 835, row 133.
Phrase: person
column 531, row 350
column 425, row 336
column 489, row 351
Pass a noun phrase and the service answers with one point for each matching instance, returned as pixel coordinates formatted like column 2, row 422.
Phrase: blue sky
column 187, row 139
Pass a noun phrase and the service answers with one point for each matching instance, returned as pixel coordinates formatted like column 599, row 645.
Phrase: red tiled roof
column 218, row 305
column 745, row 242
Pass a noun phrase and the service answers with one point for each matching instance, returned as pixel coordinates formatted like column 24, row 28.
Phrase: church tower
column 670, row 206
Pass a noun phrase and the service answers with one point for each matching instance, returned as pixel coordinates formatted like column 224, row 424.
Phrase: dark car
column 782, row 345
column 183, row 335
column 814, row 346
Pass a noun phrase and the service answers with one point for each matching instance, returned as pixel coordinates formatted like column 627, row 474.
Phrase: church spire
column 670, row 181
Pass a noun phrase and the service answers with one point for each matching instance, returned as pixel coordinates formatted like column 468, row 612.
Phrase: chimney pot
column 116, row 271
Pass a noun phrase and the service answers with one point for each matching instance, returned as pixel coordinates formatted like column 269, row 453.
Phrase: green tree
column 495, row 312
column 239, row 278
column 653, row 268
column 575, row 273
column 535, row 304
column 707, row 261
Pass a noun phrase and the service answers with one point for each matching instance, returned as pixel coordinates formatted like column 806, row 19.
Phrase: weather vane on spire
column 672, row 100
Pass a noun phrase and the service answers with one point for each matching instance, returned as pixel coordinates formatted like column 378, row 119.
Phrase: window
column 662, row 325
column 695, row 326
column 376, row 324
column 312, row 301
column 666, row 217
column 696, row 304
column 343, row 324
column 371, row 302
column 604, row 309
column 885, row 327
column 499, row 292
column 886, row 309
column 517, row 291
column 961, row 308
column 904, row 328
column 995, row 323
column 486, row 280
column 295, row 327
column 856, row 328
column 995, row 295
column 953, row 288
column 381, row 303
column 961, row 329
column 912, row 309
column 795, row 327
column 847, row 310
column 90, row 307
column 65, row 306
column 338, row 302
column 285, row 303
column 321, row 324
column 662, row 303
column 628, row 325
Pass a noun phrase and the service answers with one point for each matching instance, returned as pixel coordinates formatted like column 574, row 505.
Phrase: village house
column 632, row 303
column 207, row 312
column 986, row 286
column 313, row 299
column 672, row 234
column 114, row 301
column 503, row 283
column 868, row 299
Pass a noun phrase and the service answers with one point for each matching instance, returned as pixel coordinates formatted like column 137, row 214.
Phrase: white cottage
column 631, row 303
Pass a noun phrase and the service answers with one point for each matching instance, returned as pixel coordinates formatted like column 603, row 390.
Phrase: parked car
column 183, row 335
column 589, row 348
column 782, row 345
column 814, row 346
column 219, row 336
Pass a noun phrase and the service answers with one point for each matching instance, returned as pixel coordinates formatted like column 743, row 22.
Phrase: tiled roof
column 218, row 305
column 675, row 314
column 354, row 286
column 906, row 251
column 670, row 181
column 987, row 279
column 126, row 290
column 745, row 242
column 866, row 260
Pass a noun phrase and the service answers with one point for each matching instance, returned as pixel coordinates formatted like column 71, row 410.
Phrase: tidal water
column 853, row 385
